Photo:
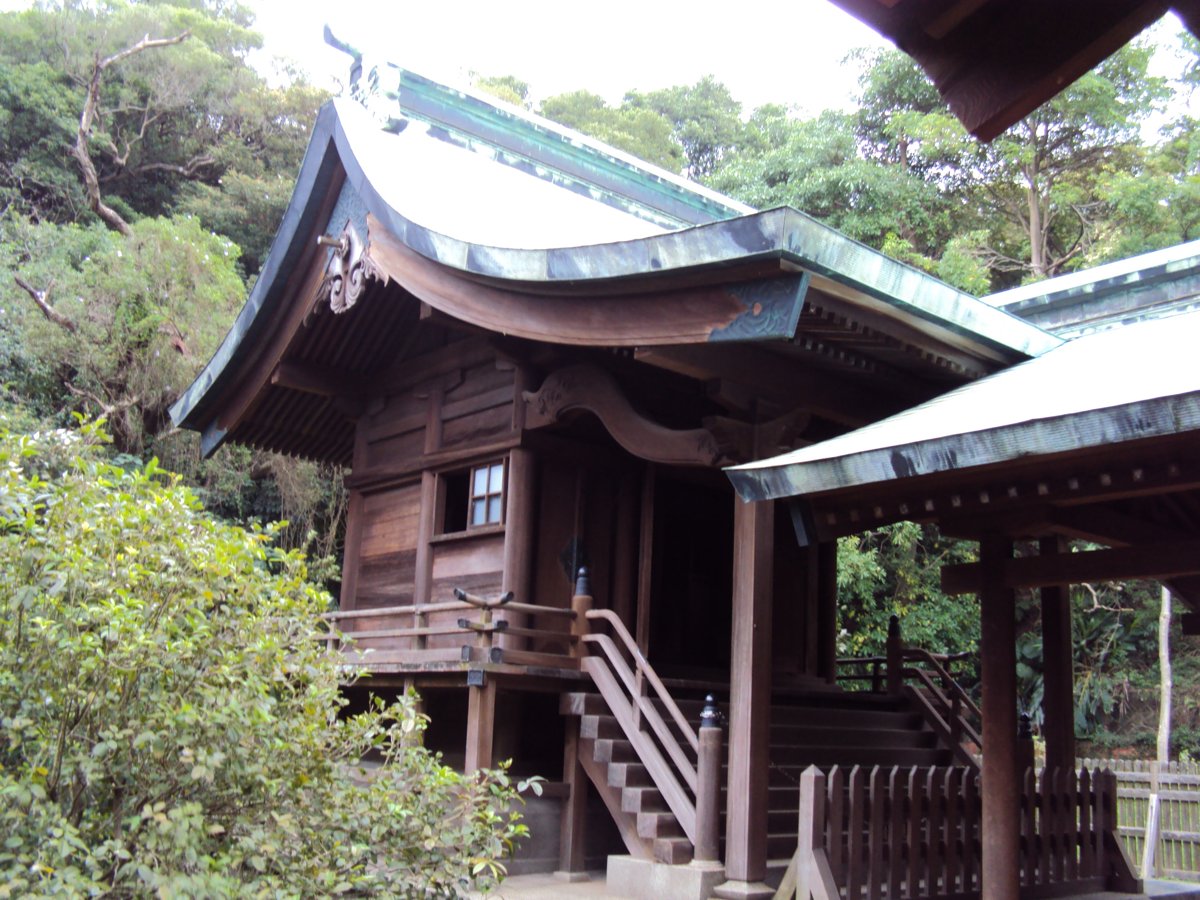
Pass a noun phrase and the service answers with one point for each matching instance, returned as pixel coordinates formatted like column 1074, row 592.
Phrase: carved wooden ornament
column 350, row 268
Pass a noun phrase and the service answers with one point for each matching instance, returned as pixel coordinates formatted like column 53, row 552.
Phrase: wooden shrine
column 535, row 356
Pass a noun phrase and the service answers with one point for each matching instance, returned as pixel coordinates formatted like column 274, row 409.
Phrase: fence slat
column 1029, row 835
column 1071, row 821
column 972, row 816
column 915, row 803
column 895, row 838
column 951, row 791
column 936, row 861
column 875, row 834
column 1087, row 846
column 855, row 858
column 835, row 837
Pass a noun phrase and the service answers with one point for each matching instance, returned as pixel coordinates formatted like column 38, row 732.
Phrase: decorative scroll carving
column 350, row 268
column 590, row 388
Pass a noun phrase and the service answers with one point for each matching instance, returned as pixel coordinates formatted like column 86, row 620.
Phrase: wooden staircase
column 823, row 728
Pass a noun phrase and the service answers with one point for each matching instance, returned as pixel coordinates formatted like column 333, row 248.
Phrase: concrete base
column 572, row 877
column 642, row 879
column 744, row 890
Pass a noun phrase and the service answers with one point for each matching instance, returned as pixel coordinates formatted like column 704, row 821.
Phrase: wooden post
column 895, row 657
column 1058, row 701
column 645, row 562
column 708, row 785
column 518, row 537
column 581, row 605
column 1001, row 782
column 571, row 863
column 749, row 702
column 481, row 723
column 827, row 611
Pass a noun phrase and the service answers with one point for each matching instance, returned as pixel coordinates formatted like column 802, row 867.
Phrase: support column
column 1001, row 781
column 1058, row 701
column 481, row 723
column 571, row 866
column 749, row 702
column 827, row 611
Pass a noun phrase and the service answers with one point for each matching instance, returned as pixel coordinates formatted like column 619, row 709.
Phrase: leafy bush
column 168, row 724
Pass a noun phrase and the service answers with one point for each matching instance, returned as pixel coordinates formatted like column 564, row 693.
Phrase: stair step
column 840, row 737
column 643, row 800
column 614, row 750
column 800, row 719
column 674, row 851
column 653, row 825
column 595, row 727
column 628, row 774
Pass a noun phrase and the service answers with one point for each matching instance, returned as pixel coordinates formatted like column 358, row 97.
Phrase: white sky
column 765, row 51
column 778, row 51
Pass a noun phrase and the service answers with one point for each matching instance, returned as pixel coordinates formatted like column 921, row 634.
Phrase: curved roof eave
column 781, row 233
column 1107, row 388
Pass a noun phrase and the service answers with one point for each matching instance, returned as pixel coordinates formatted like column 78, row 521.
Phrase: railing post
column 895, row 657
column 1025, row 758
column 708, row 784
column 581, row 605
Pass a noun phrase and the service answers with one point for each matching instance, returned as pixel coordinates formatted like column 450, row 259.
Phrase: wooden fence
column 1163, row 802
column 901, row 833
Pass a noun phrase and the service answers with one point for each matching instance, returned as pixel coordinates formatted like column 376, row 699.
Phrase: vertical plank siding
column 908, row 833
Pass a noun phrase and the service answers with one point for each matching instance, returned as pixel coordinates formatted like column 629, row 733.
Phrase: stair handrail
column 949, row 715
column 647, row 671
column 695, row 803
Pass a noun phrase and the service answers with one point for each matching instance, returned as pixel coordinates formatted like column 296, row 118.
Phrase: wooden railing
column 684, row 763
column 427, row 632
column 917, row 832
column 926, row 680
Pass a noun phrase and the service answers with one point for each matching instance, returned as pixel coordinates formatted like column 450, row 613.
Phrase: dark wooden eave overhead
column 995, row 61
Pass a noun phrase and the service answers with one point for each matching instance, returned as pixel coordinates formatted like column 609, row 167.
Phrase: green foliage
column 508, row 88
column 895, row 571
column 143, row 313
column 171, row 728
column 705, row 121
column 641, row 132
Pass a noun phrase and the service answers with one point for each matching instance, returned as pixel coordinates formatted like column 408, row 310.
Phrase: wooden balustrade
column 925, row 678
column 403, row 633
column 901, row 833
column 684, row 765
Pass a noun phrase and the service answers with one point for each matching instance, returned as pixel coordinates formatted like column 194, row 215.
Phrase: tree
column 171, row 725
column 705, row 121
column 508, row 88
column 643, row 133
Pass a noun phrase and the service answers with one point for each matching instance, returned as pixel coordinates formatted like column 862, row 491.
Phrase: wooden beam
column 787, row 382
column 1155, row 561
column 1058, row 698
column 481, row 725
column 645, row 582
column 591, row 388
column 1001, row 780
column 308, row 379
column 749, row 693
column 574, row 809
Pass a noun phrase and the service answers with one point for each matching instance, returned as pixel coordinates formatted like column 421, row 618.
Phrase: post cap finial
column 710, row 715
column 894, row 626
column 583, row 584
column 1025, row 727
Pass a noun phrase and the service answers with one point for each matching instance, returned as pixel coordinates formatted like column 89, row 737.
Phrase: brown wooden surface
column 1001, row 780
column 481, row 724
column 749, row 692
column 571, row 838
column 1156, row 561
column 1058, row 699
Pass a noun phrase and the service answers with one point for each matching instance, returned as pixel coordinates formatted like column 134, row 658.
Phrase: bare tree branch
column 108, row 409
column 40, row 298
column 91, row 180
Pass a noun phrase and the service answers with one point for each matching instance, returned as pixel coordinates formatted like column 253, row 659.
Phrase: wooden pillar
column 827, row 611
column 481, row 723
column 645, row 561
column 571, row 863
column 1001, row 780
column 749, row 702
column 1058, row 700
